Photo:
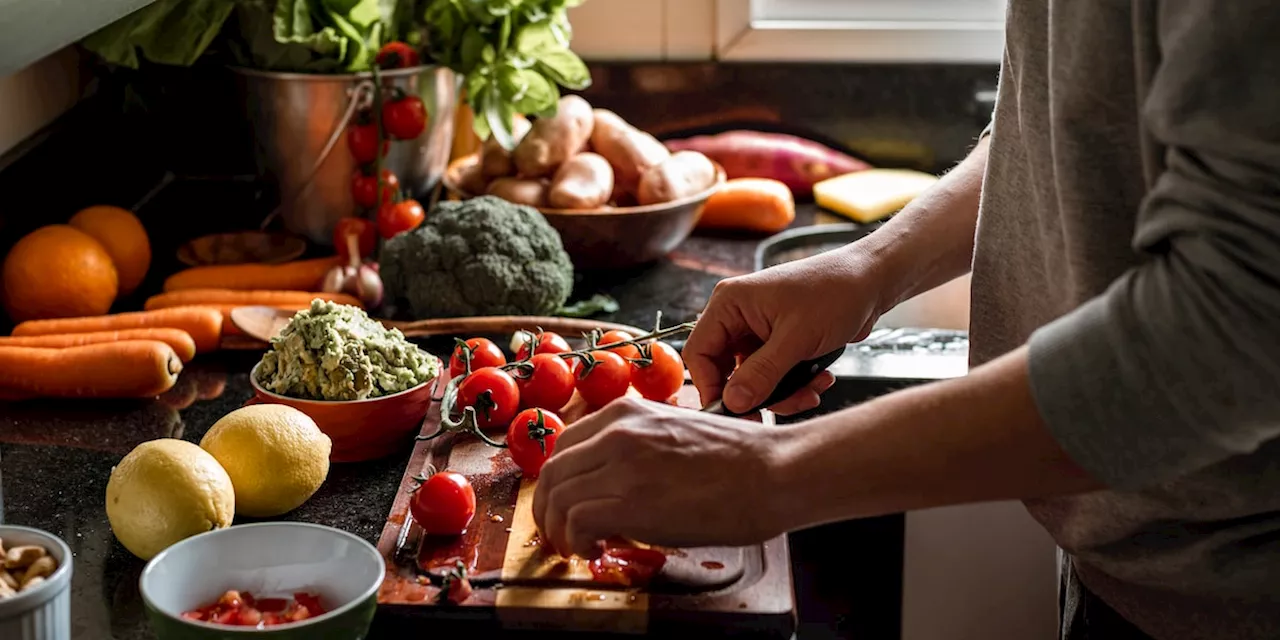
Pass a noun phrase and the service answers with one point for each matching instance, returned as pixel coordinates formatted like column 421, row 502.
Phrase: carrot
column 749, row 204
column 795, row 161
column 127, row 369
column 203, row 325
column 219, row 297
column 178, row 339
column 300, row 275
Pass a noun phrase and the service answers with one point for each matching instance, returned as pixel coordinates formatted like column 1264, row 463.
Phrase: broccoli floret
column 478, row 257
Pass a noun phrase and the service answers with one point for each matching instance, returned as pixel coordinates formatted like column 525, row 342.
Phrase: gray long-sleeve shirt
column 1130, row 231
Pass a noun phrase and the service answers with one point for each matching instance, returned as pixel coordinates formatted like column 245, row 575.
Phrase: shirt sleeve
column 1177, row 365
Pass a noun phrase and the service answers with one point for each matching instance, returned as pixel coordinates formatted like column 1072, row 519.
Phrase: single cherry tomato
column 659, row 373
column 395, row 218
column 404, row 118
column 532, row 437
column 364, row 188
column 493, row 394
column 604, row 380
column 481, row 351
column 363, row 230
column 546, row 382
column 444, row 504
column 397, row 55
column 629, row 352
column 627, row 566
column 547, row 343
column 362, row 139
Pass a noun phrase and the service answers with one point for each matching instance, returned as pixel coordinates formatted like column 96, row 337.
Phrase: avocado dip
column 336, row 352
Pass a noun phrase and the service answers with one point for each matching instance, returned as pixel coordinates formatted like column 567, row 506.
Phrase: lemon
column 276, row 456
column 164, row 491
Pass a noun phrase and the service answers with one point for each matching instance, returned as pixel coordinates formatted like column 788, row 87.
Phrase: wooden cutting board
column 521, row 584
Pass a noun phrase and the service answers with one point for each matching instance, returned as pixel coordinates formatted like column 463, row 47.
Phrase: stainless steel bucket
column 295, row 117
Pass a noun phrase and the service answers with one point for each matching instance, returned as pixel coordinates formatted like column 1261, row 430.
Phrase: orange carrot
column 178, row 339
column 203, row 325
column 300, row 275
column 128, row 369
column 219, row 297
column 750, row 204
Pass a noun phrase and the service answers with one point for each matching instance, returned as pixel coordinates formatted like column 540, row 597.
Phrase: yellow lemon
column 276, row 456
column 165, row 491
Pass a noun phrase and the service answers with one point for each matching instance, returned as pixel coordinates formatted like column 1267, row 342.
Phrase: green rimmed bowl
column 267, row 559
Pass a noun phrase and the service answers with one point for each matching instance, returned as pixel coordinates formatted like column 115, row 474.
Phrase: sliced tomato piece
column 627, row 566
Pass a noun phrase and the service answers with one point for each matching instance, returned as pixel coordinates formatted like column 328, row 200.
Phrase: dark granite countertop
column 56, row 457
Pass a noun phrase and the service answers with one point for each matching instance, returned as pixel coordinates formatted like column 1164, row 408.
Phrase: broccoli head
column 478, row 257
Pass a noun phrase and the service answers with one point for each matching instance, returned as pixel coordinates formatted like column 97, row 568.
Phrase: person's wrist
column 787, row 497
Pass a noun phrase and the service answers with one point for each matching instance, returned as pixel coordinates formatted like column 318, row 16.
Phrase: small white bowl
column 44, row 612
column 269, row 559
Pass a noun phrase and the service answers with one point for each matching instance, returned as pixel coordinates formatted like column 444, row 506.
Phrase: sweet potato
column 683, row 174
column 749, row 204
column 495, row 161
column 792, row 160
column 532, row 192
column 584, row 181
column 554, row 139
column 630, row 150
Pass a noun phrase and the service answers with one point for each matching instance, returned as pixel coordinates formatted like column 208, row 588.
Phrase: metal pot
column 298, row 122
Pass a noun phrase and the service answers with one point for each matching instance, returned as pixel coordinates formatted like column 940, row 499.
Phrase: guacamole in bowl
column 336, row 352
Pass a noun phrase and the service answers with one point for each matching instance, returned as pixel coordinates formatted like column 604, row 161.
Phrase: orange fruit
column 58, row 272
column 124, row 238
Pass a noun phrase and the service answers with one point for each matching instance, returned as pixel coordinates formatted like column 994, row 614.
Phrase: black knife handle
column 796, row 379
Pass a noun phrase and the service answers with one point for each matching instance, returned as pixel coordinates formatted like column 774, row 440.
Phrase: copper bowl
column 613, row 237
column 361, row 430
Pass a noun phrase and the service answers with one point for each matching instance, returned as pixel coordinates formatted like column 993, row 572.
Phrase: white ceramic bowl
column 44, row 612
column 267, row 559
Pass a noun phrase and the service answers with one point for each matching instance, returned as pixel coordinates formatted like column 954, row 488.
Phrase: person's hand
column 772, row 320
column 659, row 474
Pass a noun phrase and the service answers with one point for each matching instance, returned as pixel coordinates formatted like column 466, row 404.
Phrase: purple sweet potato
column 792, row 160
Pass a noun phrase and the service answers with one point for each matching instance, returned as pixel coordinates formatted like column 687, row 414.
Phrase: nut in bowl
column 365, row 386
column 615, row 194
column 35, row 585
column 290, row 580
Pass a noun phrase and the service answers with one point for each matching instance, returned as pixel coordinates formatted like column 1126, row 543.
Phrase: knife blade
column 796, row 379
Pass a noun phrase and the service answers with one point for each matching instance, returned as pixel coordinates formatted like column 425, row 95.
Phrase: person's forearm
column 971, row 439
column 930, row 242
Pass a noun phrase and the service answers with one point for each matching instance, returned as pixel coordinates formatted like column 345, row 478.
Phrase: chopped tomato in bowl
column 241, row 609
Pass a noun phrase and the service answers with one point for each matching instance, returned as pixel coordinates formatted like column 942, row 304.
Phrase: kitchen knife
column 796, row 379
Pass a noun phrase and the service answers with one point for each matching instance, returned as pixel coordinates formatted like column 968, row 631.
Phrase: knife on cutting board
column 796, row 379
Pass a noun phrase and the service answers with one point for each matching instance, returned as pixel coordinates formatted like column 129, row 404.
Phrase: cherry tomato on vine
column 363, row 230
column 604, row 381
column 397, row 55
column 364, row 188
column 362, row 139
column 494, row 395
column 444, row 504
column 548, row 343
column 395, row 218
column 546, row 382
column 532, row 437
column 629, row 352
column 483, row 353
column 404, row 118
column 662, row 376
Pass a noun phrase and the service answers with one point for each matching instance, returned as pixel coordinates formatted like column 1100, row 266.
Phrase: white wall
column 36, row 95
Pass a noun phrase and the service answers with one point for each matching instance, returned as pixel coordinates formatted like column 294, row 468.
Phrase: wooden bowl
column 360, row 429
column 240, row 248
column 613, row 237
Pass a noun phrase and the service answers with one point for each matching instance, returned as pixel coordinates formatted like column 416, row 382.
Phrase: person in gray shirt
column 1122, row 224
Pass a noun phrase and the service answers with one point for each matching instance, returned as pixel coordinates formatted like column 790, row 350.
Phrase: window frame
column 740, row 37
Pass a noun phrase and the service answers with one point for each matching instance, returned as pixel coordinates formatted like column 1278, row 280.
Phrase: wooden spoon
column 263, row 323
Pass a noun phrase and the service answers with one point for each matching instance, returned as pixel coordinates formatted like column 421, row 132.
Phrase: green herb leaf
column 533, row 39
column 565, row 68
column 472, row 50
column 538, row 93
column 595, row 305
